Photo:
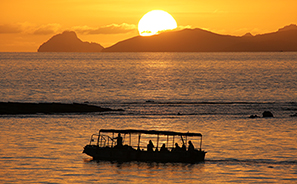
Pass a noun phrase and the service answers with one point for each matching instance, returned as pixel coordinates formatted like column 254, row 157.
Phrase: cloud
column 10, row 28
column 28, row 28
column 184, row 27
column 107, row 29
column 47, row 29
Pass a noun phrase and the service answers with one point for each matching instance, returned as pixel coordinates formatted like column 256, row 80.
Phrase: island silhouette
column 186, row 40
column 68, row 42
column 49, row 108
column 198, row 40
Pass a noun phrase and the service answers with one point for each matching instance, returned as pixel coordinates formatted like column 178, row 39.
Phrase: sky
column 26, row 24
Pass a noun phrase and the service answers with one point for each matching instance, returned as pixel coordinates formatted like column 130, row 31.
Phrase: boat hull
column 127, row 153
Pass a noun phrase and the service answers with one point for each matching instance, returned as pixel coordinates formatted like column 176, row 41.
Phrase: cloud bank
column 28, row 28
column 54, row 28
column 10, row 28
column 47, row 29
column 107, row 29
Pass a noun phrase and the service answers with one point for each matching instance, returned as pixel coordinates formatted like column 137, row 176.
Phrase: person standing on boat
column 119, row 140
column 191, row 146
column 150, row 146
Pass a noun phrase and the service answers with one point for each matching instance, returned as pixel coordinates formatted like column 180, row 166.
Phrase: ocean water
column 210, row 93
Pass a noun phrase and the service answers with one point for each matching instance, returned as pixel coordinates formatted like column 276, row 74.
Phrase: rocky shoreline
column 49, row 108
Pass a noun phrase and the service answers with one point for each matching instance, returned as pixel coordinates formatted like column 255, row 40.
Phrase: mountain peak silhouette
column 68, row 42
column 248, row 34
column 289, row 27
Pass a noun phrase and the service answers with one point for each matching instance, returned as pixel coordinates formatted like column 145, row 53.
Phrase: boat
column 138, row 145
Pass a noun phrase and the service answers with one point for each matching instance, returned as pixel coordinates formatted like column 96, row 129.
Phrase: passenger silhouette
column 163, row 148
column 191, row 146
column 150, row 146
column 177, row 148
column 184, row 148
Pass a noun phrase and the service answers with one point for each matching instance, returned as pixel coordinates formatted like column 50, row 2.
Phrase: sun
column 155, row 22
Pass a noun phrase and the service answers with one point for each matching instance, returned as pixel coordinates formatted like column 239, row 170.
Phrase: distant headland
column 187, row 40
column 68, row 42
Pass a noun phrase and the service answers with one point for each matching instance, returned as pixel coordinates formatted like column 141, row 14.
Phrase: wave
column 253, row 161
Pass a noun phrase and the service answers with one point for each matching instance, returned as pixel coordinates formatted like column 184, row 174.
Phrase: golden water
column 210, row 93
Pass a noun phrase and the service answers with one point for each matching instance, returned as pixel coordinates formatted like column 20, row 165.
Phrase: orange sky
column 26, row 24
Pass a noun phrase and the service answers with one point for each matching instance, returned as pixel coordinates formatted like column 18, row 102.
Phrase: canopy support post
column 138, row 141
column 173, row 142
column 112, row 139
column 201, row 143
column 157, row 142
column 167, row 140
column 98, row 139
column 130, row 139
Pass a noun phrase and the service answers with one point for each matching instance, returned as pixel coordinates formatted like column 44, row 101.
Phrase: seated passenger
column 191, row 146
column 150, row 146
column 184, row 148
column 163, row 148
column 177, row 148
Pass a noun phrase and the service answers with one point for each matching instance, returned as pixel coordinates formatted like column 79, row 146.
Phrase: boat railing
column 102, row 140
column 105, row 141
column 93, row 139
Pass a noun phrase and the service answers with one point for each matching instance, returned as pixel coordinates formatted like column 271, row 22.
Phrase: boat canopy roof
column 156, row 132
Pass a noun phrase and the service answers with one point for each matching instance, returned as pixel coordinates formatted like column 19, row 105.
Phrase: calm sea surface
column 210, row 93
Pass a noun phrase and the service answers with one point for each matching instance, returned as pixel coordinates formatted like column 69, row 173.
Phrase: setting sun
column 156, row 21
